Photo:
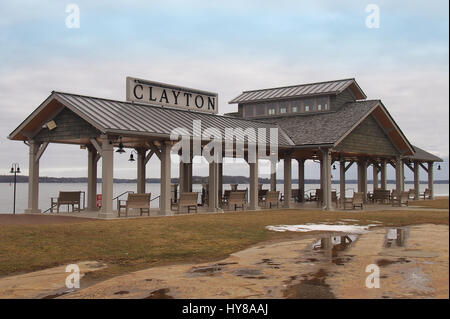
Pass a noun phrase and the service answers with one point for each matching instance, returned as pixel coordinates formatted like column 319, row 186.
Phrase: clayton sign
column 157, row 93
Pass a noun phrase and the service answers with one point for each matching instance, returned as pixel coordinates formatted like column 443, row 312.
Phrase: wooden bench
column 272, row 197
column 381, row 195
column 426, row 194
column 237, row 199
column 402, row 199
column 140, row 201
column 189, row 200
column 66, row 198
column 356, row 201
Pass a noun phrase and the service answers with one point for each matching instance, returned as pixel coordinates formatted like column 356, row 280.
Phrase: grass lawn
column 132, row 244
column 436, row 203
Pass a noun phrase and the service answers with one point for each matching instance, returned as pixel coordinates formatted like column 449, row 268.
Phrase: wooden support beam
column 97, row 146
column 424, row 167
column 41, row 151
column 348, row 165
column 410, row 166
column 155, row 150
column 149, row 156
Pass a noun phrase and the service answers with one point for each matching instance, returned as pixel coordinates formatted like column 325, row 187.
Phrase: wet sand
column 413, row 263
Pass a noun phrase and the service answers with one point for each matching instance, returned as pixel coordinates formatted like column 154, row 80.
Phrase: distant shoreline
column 195, row 180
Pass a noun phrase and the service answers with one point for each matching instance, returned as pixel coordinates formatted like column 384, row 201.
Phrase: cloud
column 225, row 47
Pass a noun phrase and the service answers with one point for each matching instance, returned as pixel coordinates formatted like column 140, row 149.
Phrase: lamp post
column 15, row 169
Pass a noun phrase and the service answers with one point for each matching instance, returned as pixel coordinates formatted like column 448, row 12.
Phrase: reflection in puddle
column 396, row 237
column 331, row 245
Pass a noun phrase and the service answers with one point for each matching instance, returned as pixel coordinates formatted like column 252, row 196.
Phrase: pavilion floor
column 154, row 212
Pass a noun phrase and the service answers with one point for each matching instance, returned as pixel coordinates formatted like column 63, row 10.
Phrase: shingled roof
column 117, row 117
column 424, row 156
column 301, row 90
column 324, row 128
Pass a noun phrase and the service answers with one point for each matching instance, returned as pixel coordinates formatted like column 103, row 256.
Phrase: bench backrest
column 381, row 194
column 319, row 194
column 272, row 196
column 139, row 199
column 358, row 198
column 404, row 196
column 188, row 199
column 237, row 197
column 69, row 196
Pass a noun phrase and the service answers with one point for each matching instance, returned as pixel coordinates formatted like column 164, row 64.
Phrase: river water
column 48, row 190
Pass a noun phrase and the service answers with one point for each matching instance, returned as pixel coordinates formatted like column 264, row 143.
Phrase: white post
column 301, row 179
column 141, row 170
column 92, row 179
column 165, row 193
column 254, row 185
column 33, row 179
column 326, row 174
column 212, row 187
column 220, row 180
column 416, row 181
column 375, row 177
column 273, row 176
column 342, row 182
column 287, row 180
column 107, row 178
column 430, row 179
column 383, row 175
column 398, row 175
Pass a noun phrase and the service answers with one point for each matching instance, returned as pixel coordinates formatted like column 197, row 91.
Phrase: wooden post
column 33, row 178
column 141, row 170
column 254, row 185
column 287, row 180
column 92, row 179
column 301, row 179
column 212, row 187
column 273, row 176
column 383, row 174
column 321, row 173
column 416, row 181
column 342, row 182
column 398, row 175
column 165, row 193
column 220, row 180
column 326, row 174
column 375, row 177
column 107, row 178
column 362, row 178
column 430, row 179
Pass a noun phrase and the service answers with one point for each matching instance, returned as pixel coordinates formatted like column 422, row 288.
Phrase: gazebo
column 325, row 122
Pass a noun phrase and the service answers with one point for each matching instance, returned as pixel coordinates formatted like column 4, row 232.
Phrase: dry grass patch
column 440, row 202
column 132, row 244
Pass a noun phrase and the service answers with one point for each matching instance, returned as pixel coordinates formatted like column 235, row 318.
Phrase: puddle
column 312, row 286
column 330, row 247
column 386, row 262
column 352, row 229
column 160, row 294
column 396, row 237
column 269, row 262
column 248, row 273
column 206, row 270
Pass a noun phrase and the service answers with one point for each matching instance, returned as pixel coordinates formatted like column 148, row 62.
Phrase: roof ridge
column 157, row 106
column 290, row 86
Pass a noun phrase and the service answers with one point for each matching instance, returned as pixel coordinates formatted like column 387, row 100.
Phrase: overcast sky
column 224, row 47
